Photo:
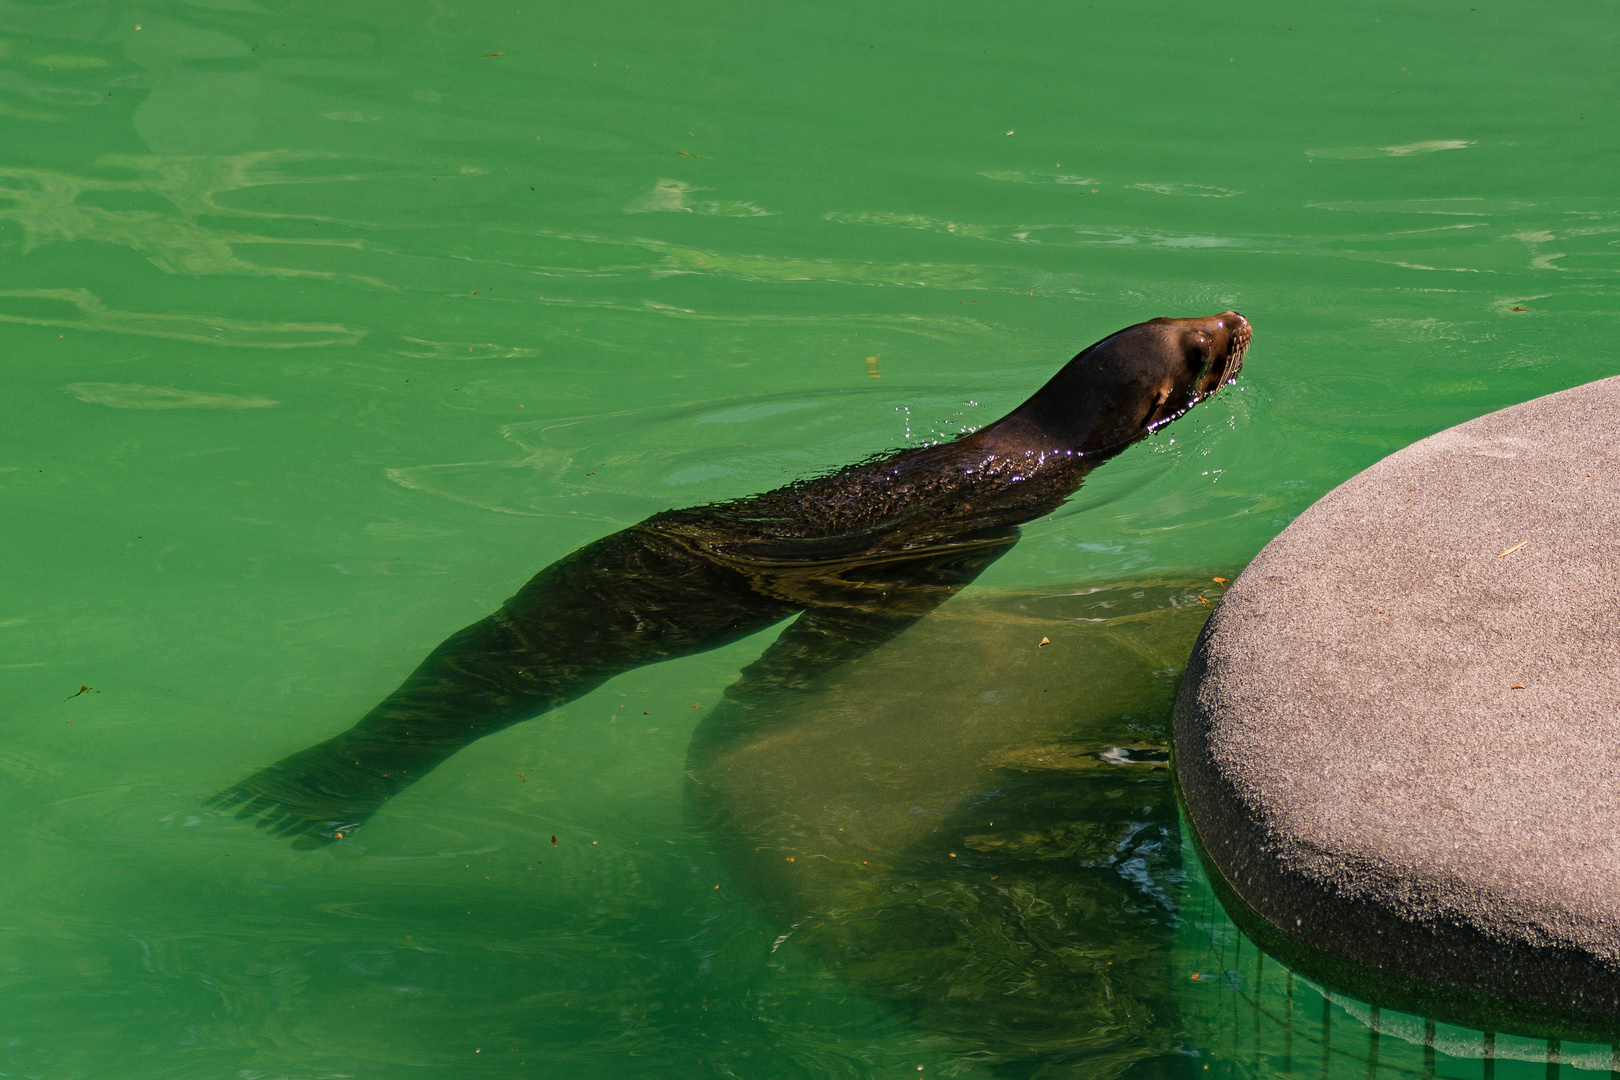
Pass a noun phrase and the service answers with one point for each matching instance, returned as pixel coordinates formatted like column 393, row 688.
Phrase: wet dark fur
column 859, row 555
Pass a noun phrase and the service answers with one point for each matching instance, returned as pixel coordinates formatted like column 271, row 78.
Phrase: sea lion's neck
column 1092, row 408
column 1018, row 435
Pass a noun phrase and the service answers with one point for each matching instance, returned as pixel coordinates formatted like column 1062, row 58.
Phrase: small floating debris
column 1045, row 641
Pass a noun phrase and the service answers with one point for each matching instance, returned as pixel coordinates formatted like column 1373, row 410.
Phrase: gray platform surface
column 1350, row 742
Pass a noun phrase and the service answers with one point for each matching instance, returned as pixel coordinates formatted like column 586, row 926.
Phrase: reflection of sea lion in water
column 859, row 555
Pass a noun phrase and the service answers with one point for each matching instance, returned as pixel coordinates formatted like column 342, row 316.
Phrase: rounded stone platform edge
column 1292, row 632
column 1467, row 1007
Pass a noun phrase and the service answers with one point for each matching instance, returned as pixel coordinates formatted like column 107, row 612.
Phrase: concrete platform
column 1398, row 737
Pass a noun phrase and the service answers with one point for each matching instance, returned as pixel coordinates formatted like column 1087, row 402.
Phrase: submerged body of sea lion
column 977, row 830
column 858, row 555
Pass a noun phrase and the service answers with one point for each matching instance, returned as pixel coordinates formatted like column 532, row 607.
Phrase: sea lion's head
column 1127, row 386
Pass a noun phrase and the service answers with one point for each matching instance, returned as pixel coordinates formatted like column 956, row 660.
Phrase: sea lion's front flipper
column 847, row 617
column 852, row 612
column 630, row 599
column 814, row 646
column 481, row 679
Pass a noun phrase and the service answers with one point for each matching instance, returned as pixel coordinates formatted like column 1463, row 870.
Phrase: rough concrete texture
column 1352, row 741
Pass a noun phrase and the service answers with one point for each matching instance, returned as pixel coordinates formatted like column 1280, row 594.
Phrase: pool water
column 325, row 327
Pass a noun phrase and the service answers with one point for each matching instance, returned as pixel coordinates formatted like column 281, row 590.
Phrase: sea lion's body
column 1042, row 948
column 859, row 555
column 977, row 830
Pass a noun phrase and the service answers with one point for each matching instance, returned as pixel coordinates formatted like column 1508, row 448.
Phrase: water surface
column 325, row 326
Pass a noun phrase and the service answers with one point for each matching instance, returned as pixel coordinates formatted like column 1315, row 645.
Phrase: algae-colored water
column 323, row 327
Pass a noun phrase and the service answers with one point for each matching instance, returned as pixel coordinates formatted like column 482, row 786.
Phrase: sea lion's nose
column 1238, row 329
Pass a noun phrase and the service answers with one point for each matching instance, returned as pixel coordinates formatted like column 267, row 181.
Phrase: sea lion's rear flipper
column 633, row 598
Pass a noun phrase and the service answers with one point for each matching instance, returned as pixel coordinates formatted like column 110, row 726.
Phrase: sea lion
column 978, row 831
column 858, row 555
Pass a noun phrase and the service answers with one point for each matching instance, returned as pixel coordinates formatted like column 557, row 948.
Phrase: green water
column 324, row 327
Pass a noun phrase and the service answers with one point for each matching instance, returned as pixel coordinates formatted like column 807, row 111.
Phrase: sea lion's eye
column 1198, row 347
